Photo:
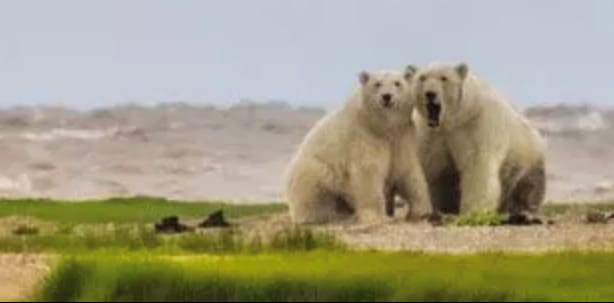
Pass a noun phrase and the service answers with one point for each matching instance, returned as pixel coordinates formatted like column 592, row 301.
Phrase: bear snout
column 431, row 96
column 387, row 100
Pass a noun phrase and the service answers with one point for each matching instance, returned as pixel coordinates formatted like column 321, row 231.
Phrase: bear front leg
column 369, row 199
column 480, row 187
column 370, row 206
column 414, row 189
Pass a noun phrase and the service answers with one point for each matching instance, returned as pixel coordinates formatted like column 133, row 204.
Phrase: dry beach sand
column 19, row 274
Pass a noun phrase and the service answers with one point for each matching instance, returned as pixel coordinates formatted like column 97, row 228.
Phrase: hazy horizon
column 99, row 53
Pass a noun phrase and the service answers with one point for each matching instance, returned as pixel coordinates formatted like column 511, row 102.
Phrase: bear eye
column 444, row 78
column 378, row 84
column 397, row 84
column 422, row 78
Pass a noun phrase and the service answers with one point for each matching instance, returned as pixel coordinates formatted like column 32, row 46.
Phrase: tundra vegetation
column 108, row 250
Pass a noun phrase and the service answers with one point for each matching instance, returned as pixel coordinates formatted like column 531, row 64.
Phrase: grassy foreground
column 145, row 240
column 109, row 252
column 127, row 224
column 124, row 224
column 124, row 210
column 334, row 276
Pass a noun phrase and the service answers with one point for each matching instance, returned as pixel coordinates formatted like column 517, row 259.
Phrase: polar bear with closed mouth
column 344, row 168
column 473, row 144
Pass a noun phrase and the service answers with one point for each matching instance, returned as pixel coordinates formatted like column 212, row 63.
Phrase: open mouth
column 433, row 111
column 387, row 103
column 433, row 123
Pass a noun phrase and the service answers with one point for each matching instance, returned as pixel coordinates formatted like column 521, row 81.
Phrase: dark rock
column 171, row 225
column 215, row 219
column 598, row 217
column 25, row 230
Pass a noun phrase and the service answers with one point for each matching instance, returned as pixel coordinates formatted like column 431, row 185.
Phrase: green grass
column 333, row 276
column 124, row 210
column 126, row 224
column 149, row 209
column 118, row 223
column 135, row 238
column 479, row 219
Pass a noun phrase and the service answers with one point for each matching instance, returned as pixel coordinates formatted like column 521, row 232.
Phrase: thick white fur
column 480, row 137
column 344, row 166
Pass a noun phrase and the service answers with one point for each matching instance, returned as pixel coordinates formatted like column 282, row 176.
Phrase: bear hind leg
column 318, row 206
column 529, row 192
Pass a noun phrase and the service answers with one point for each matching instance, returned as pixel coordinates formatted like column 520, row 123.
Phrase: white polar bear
column 344, row 165
column 474, row 144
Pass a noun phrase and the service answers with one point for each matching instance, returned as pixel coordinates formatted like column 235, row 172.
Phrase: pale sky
column 306, row 52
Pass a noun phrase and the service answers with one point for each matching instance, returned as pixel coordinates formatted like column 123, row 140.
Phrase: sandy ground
column 426, row 238
column 19, row 273
column 568, row 231
column 239, row 154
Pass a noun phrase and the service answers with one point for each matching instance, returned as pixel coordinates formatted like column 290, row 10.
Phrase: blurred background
column 208, row 99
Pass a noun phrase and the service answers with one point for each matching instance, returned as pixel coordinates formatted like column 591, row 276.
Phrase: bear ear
column 462, row 70
column 364, row 77
column 410, row 71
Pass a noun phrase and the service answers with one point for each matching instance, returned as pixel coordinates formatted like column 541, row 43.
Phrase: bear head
column 438, row 91
column 388, row 93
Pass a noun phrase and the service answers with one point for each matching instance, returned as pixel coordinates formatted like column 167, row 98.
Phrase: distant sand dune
column 202, row 152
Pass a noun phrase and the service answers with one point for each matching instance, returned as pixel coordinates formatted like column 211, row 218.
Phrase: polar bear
column 343, row 167
column 476, row 150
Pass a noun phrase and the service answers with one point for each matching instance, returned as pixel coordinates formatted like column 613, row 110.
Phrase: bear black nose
column 386, row 97
column 430, row 96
